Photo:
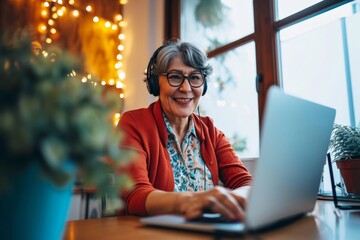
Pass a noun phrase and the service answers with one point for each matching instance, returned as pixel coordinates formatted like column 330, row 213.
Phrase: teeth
column 182, row 99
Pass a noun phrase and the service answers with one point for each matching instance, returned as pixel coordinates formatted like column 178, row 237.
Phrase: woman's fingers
column 217, row 200
column 227, row 204
column 222, row 207
column 193, row 212
column 240, row 200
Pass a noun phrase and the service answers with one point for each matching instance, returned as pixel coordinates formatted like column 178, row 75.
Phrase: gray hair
column 191, row 54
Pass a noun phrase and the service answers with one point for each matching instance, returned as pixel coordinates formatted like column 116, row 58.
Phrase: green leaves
column 345, row 142
column 49, row 116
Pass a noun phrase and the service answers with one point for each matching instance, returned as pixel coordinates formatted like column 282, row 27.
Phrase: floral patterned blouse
column 190, row 171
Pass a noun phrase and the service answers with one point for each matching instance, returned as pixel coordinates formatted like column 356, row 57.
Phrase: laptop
column 294, row 142
column 333, row 189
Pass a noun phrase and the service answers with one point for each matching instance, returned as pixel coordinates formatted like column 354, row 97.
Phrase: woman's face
column 179, row 102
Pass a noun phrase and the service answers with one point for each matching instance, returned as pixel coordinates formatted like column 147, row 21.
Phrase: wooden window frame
column 264, row 36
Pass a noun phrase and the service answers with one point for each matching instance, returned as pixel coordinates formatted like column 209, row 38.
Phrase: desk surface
column 323, row 223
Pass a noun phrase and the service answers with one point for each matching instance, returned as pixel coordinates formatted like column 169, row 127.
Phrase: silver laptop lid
column 294, row 142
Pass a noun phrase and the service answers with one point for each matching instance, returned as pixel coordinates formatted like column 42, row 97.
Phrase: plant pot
column 350, row 172
column 33, row 208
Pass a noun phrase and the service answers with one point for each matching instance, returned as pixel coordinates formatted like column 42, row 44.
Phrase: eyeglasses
column 176, row 79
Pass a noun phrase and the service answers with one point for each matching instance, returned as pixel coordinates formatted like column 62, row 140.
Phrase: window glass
column 214, row 23
column 231, row 99
column 285, row 8
column 319, row 62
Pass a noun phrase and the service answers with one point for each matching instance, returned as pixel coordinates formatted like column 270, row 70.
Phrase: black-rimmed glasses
column 176, row 79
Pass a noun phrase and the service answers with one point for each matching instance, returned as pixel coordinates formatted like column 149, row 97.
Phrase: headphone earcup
column 152, row 82
column 205, row 88
column 153, row 85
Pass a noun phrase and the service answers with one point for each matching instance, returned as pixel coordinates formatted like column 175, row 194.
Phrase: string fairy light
column 52, row 10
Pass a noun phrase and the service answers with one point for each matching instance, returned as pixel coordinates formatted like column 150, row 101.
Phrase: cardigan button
column 211, row 162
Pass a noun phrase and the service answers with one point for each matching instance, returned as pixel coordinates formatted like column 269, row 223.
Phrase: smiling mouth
column 183, row 100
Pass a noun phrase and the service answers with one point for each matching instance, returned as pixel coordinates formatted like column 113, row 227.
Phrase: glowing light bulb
column 75, row 13
column 118, row 17
column 119, row 84
column 114, row 27
column 88, row 8
column 42, row 28
column 121, row 36
column 119, row 57
column 107, row 24
column 60, row 13
column 96, row 19
column 121, row 48
column 122, row 24
column 117, row 66
column 120, row 64
column 116, row 119
column 121, row 75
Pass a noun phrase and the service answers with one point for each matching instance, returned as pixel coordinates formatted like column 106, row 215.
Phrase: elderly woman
column 184, row 164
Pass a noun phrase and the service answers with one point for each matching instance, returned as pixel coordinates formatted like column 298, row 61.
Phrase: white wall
column 144, row 33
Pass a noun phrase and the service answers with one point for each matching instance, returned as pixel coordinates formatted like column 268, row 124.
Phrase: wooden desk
column 323, row 223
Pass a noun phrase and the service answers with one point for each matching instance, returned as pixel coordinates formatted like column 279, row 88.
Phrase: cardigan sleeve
column 151, row 169
column 134, row 198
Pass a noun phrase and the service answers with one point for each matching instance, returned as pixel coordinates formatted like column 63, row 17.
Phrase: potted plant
column 345, row 150
column 54, row 129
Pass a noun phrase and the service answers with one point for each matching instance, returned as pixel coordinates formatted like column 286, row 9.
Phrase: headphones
column 152, row 81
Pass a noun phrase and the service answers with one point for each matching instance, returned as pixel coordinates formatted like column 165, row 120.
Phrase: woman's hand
column 230, row 204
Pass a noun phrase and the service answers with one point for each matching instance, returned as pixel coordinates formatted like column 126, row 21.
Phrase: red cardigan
column 146, row 133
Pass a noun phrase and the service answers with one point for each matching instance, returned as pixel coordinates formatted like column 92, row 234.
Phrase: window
column 212, row 22
column 231, row 99
column 286, row 8
column 319, row 59
column 308, row 48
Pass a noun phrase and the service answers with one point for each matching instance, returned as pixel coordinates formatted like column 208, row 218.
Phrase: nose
column 185, row 86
